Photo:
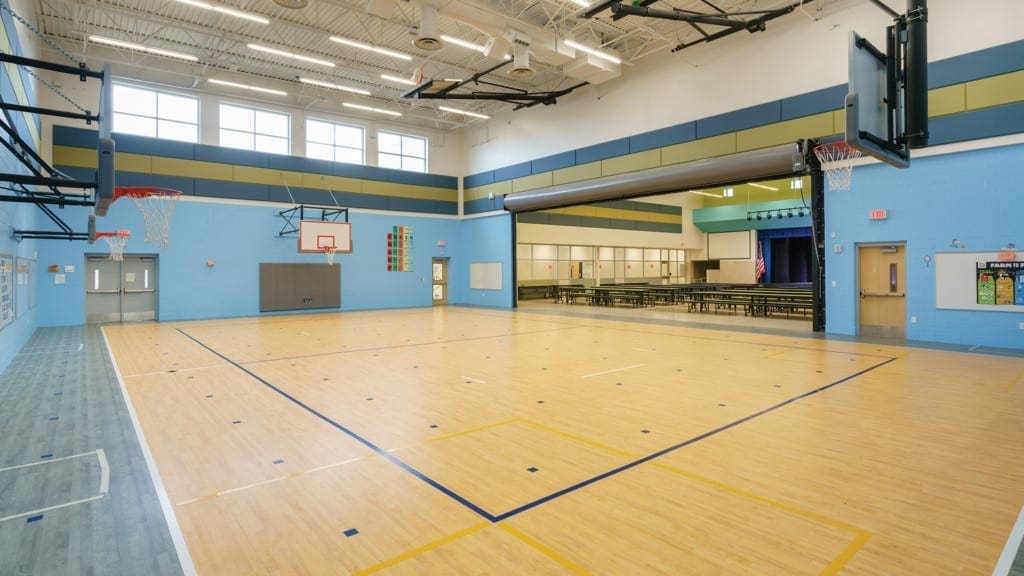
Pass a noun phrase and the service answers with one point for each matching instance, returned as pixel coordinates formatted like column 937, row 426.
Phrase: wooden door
column 882, row 279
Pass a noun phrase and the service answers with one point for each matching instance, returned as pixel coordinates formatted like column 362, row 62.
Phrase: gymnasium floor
column 469, row 441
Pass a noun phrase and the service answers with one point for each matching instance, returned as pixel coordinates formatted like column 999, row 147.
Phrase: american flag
column 759, row 264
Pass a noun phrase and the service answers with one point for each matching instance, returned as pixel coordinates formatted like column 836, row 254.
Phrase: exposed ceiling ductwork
column 428, row 38
column 771, row 162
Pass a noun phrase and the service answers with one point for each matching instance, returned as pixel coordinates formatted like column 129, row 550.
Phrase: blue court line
column 675, row 447
column 393, row 459
column 569, row 489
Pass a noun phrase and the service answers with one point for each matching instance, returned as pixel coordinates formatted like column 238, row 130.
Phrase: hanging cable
column 42, row 36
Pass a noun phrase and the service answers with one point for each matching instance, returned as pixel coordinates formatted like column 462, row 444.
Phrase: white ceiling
column 220, row 42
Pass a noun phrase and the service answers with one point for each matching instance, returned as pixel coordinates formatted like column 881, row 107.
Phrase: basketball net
column 837, row 163
column 117, row 241
column 329, row 251
column 157, row 206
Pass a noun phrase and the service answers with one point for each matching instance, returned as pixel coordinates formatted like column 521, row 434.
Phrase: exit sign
column 879, row 214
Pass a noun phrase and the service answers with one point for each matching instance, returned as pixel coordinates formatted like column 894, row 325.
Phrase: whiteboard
column 956, row 281
column 729, row 245
column 485, row 276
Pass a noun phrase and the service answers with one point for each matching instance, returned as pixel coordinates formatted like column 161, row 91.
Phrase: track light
column 749, row 217
column 800, row 213
column 789, row 214
column 769, row 215
column 758, row 215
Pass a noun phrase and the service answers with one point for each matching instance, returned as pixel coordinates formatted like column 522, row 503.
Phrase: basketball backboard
column 105, row 148
column 875, row 102
column 316, row 235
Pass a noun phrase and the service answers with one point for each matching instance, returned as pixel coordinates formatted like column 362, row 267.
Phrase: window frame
column 157, row 119
column 254, row 134
column 402, row 156
column 334, row 142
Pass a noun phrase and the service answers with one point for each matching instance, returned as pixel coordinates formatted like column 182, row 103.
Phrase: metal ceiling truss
column 730, row 22
column 445, row 90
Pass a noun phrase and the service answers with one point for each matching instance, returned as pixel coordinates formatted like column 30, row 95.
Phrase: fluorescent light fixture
column 763, row 186
column 456, row 80
column 334, row 86
column 728, row 192
column 287, row 54
column 464, row 112
column 796, row 184
column 247, row 87
column 141, row 48
column 463, row 43
column 593, row 51
column 371, row 109
column 397, row 80
column 581, row 3
column 226, row 10
column 370, row 48
column 702, row 193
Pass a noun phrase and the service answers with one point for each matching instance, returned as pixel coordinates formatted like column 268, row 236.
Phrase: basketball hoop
column 330, row 251
column 837, row 163
column 117, row 241
column 157, row 205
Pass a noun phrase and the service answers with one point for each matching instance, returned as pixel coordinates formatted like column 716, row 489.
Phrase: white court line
column 265, row 482
column 184, row 558
column 104, row 483
column 645, row 349
column 472, row 379
column 614, row 370
column 1013, row 543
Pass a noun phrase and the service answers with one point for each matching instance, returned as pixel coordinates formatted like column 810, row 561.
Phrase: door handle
column 102, row 291
column 127, row 291
column 864, row 294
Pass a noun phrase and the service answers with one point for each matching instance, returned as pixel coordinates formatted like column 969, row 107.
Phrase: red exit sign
column 879, row 214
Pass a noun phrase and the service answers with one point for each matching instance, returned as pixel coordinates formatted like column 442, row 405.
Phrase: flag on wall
column 759, row 264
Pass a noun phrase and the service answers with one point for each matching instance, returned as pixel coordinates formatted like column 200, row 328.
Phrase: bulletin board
column 956, row 281
column 485, row 275
column 6, row 290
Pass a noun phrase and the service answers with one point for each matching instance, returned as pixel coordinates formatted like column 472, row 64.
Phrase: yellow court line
column 837, row 563
column 575, row 568
column 576, row 438
column 1020, row 378
column 425, row 548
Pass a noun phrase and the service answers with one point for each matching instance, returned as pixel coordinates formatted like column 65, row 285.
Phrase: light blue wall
column 13, row 215
column 972, row 196
column 238, row 237
column 487, row 239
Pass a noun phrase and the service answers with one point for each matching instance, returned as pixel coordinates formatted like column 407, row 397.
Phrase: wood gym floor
column 468, row 441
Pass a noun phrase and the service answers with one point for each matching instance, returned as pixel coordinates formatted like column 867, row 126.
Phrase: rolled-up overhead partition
column 773, row 162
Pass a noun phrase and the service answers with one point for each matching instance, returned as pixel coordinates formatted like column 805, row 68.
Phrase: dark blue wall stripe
column 553, row 162
column 817, row 102
column 602, row 151
column 753, row 116
column 981, row 64
column 984, row 123
column 481, row 179
column 513, row 171
column 663, row 137
column 130, row 143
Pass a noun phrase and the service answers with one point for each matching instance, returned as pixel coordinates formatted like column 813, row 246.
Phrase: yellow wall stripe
column 145, row 164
